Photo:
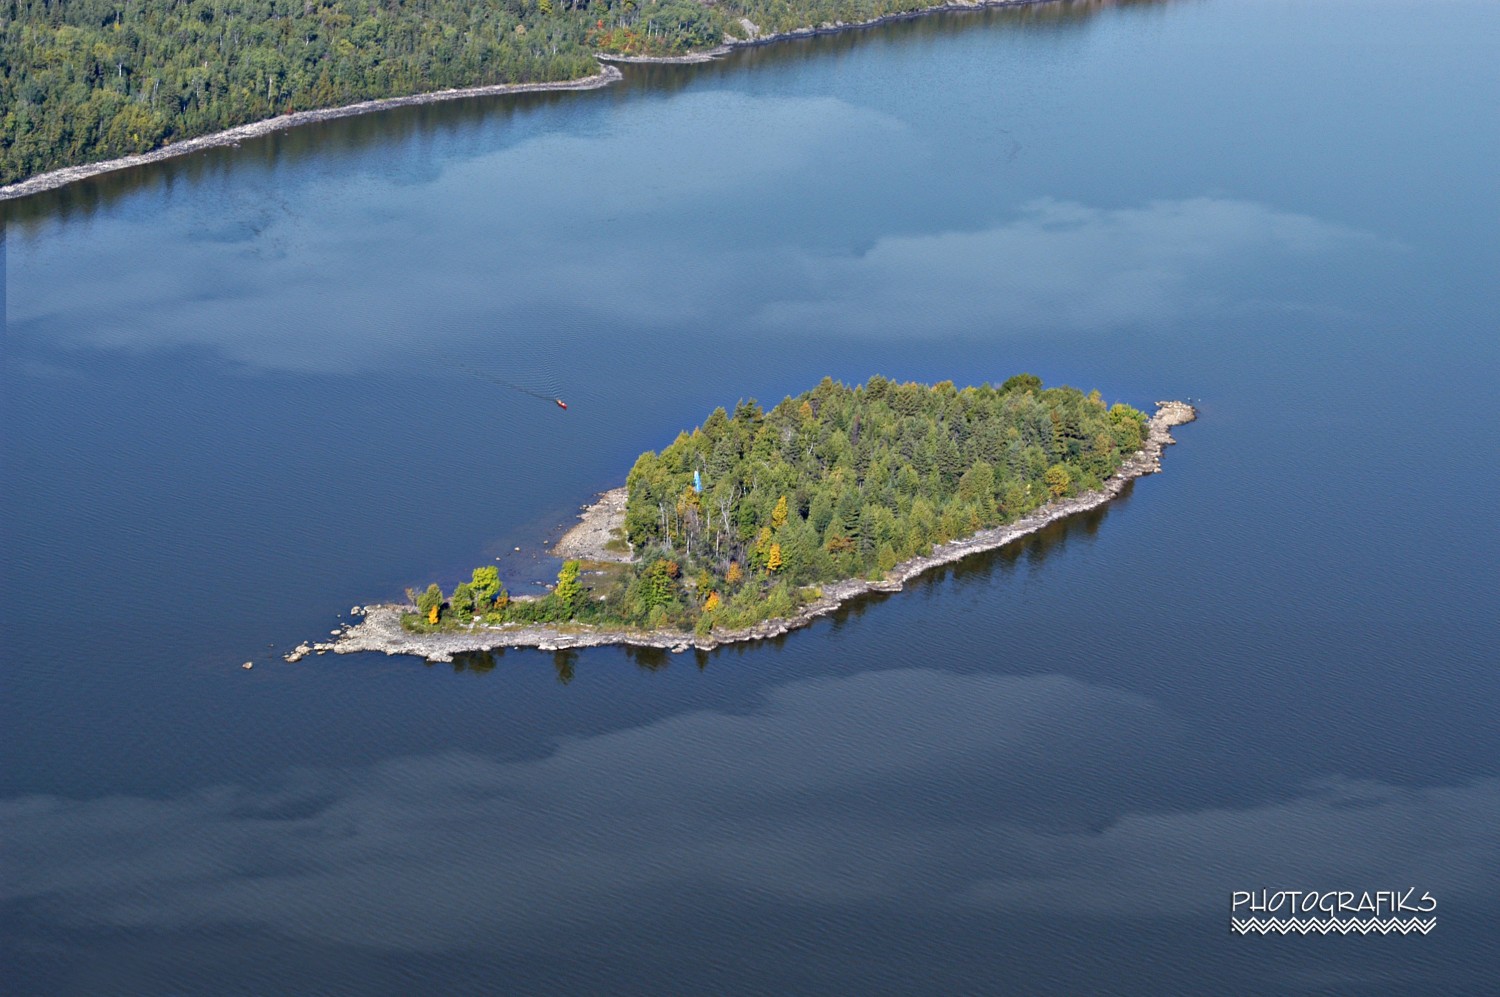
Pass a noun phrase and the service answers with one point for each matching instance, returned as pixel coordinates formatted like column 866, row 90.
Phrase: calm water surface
column 246, row 390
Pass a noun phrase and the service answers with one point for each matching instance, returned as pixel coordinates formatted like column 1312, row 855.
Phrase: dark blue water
column 246, row 390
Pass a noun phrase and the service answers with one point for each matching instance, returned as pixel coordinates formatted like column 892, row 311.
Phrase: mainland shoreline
column 381, row 628
column 608, row 74
column 755, row 38
column 54, row 179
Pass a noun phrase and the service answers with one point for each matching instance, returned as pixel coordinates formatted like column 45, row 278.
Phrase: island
column 760, row 521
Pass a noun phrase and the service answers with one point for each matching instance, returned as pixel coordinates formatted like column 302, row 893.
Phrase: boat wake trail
column 528, row 367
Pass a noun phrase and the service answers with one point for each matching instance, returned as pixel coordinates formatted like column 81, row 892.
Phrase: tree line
column 741, row 519
column 87, row 80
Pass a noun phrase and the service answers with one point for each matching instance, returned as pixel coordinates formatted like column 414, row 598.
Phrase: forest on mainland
column 88, row 80
column 743, row 518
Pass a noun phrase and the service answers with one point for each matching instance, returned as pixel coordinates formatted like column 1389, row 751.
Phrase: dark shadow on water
column 1030, row 551
column 564, row 662
column 474, row 662
column 411, row 133
column 649, row 659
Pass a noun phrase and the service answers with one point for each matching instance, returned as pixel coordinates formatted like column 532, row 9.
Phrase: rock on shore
column 600, row 525
column 381, row 628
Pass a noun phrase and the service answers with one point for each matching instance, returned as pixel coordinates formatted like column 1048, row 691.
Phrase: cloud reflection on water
column 915, row 789
column 1060, row 265
column 746, row 215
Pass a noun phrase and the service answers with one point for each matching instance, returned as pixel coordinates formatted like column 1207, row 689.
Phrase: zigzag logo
column 1331, row 925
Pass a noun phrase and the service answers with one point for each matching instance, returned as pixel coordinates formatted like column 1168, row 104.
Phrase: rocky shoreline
column 234, row 136
column 607, row 74
column 381, row 628
column 601, row 525
column 754, row 37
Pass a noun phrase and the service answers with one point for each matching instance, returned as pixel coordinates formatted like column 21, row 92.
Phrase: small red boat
column 560, row 403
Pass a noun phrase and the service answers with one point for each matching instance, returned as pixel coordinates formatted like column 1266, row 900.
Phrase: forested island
column 759, row 520
column 83, row 81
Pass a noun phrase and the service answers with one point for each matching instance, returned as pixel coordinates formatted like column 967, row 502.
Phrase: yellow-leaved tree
column 1058, row 479
column 778, row 514
column 761, row 547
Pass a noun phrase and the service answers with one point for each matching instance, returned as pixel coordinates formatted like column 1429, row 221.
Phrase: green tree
column 568, row 593
column 657, row 588
column 430, row 600
column 486, row 584
column 461, row 602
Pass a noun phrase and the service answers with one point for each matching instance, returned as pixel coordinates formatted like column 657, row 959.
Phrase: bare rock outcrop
column 600, row 534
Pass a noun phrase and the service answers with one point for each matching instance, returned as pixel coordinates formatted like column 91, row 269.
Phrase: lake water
column 249, row 389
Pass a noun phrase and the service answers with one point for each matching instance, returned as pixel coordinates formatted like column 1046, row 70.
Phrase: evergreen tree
column 430, row 600
column 792, row 503
column 462, row 601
